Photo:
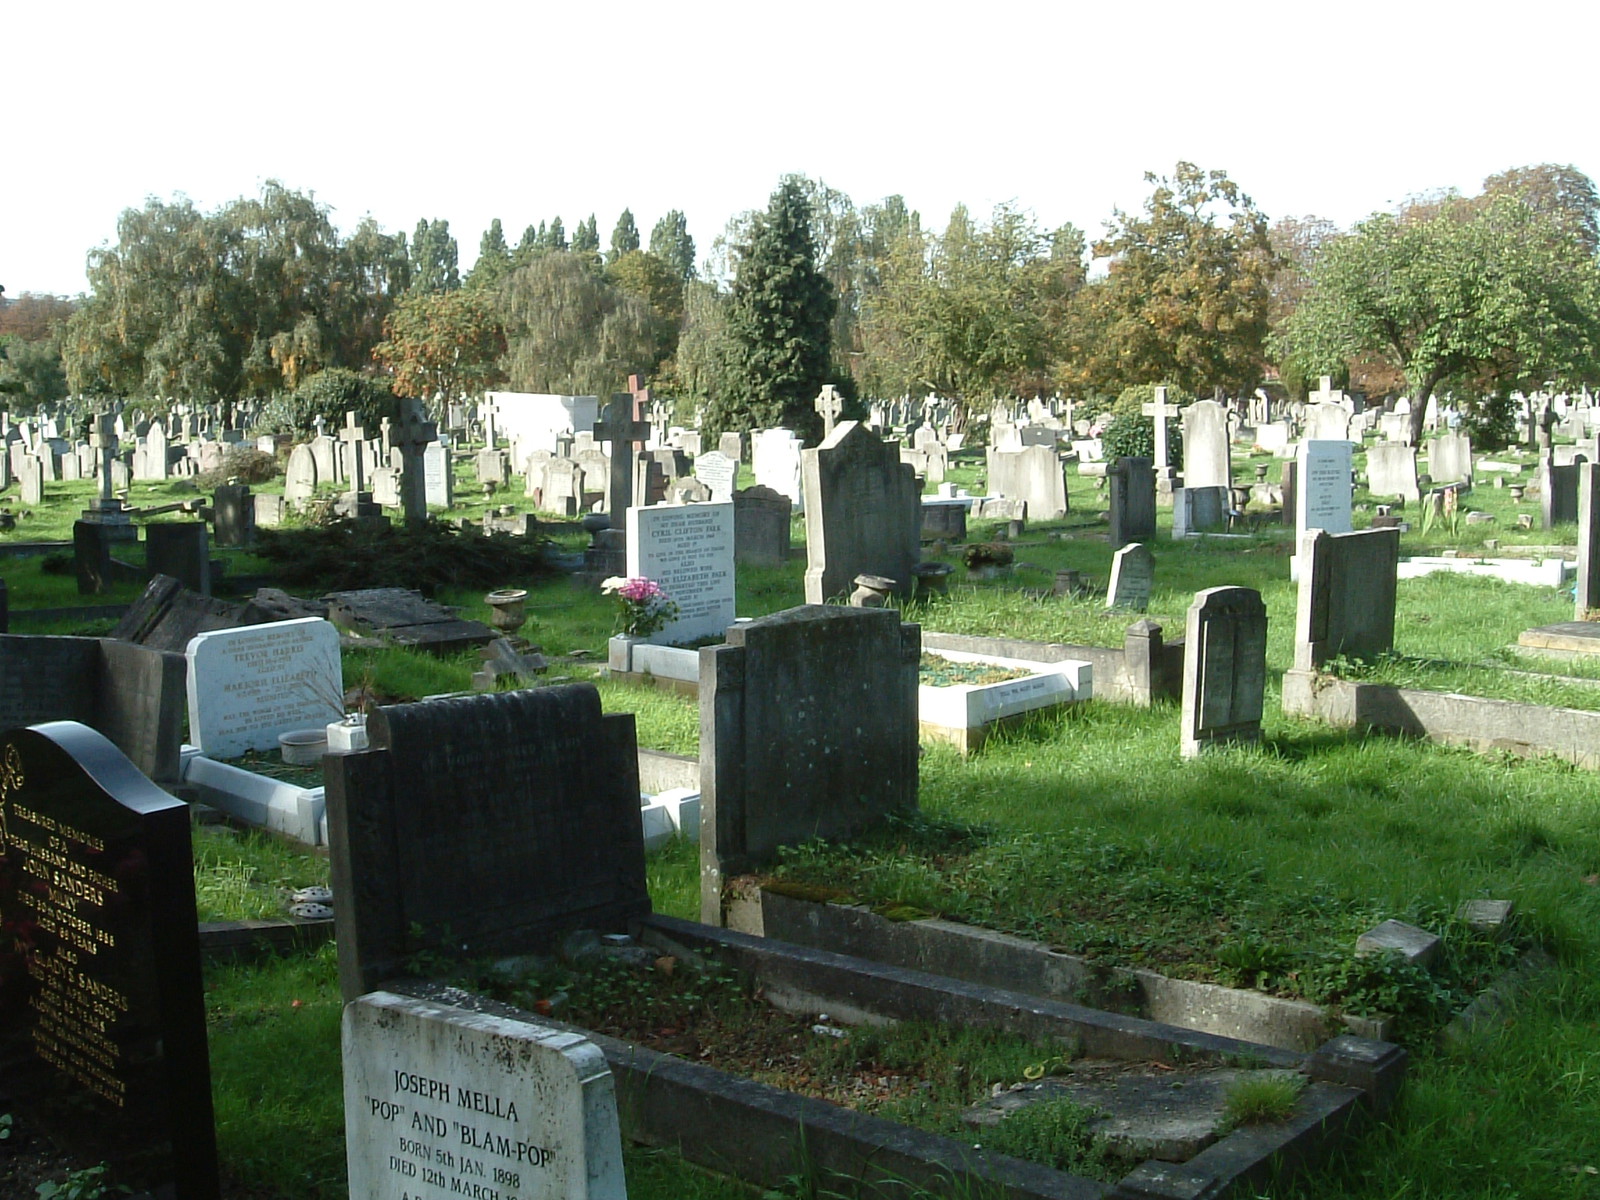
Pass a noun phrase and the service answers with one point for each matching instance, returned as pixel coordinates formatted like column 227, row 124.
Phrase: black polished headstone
column 483, row 825
column 102, row 1017
column 91, row 557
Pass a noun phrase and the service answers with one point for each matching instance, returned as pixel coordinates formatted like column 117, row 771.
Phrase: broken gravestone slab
column 404, row 618
column 1139, row 1113
column 1413, row 944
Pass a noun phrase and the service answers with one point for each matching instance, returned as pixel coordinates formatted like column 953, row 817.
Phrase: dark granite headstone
column 91, row 557
column 1224, row 669
column 5, row 608
column 808, row 728
column 235, row 515
column 480, row 825
column 168, row 615
column 181, row 551
column 1346, row 595
column 133, row 695
column 102, row 1020
column 1133, row 501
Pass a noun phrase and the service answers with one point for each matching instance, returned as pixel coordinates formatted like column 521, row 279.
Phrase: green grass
column 238, row 876
column 1258, row 1099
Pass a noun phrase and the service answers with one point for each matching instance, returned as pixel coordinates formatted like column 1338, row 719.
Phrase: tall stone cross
column 1326, row 393
column 644, row 408
column 321, row 424
column 829, row 404
column 1160, row 410
column 621, row 428
column 487, row 412
column 103, row 437
column 413, row 435
column 355, row 437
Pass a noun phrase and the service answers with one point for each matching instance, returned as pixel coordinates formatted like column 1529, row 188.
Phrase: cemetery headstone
column 1392, row 470
column 234, row 516
column 1347, row 595
column 156, row 451
column 863, row 513
column 1224, row 669
column 1033, row 475
column 688, row 550
column 761, row 527
column 1133, row 573
column 30, row 477
column 1322, row 487
column 411, row 439
column 1587, row 594
column 180, row 549
column 438, row 476
column 102, row 1015
column 1198, row 510
column 486, row 824
column 732, row 444
column 808, row 728
column 1450, row 458
column 775, row 460
column 248, row 685
column 1132, row 487
column 1558, row 493
column 300, row 476
column 1206, row 460
column 619, row 427
column 445, row 1101
column 829, row 404
column 325, row 451
column 719, row 473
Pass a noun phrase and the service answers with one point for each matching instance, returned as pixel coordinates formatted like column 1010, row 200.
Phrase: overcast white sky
column 473, row 110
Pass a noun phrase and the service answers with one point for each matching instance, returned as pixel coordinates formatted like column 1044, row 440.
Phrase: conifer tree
column 625, row 237
column 586, row 238
column 671, row 243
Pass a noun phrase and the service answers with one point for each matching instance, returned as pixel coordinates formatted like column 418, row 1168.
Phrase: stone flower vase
column 872, row 591
column 507, row 609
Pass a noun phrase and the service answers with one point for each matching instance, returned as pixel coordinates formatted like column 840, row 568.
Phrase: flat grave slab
column 405, row 618
column 1573, row 637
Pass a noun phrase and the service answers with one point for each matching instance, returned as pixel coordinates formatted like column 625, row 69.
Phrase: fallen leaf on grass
column 666, row 964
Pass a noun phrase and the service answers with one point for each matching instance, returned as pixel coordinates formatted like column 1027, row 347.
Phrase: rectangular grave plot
column 102, row 1021
column 494, row 823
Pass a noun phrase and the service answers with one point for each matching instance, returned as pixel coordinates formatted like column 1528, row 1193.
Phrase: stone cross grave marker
column 1133, row 574
column 688, row 550
column 440, row 1100
column 493, row 824
column 488, row 413
column 412, row 437
column 1160, row 410
column 248, row 685
column 829, row 404
column 621, row 428
column 354, row 437
column 103, row 1036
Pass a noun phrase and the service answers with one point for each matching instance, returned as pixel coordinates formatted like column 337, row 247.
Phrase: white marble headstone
column 1322, row 487
column 443, row 1101
column 688, row 550
column 248, row 685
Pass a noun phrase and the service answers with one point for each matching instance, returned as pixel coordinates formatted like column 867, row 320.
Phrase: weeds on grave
column 89, row 1183
column 1259, row 1099
column 1052, row 1132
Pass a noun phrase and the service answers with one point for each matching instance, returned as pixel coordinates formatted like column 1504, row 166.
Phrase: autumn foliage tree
column 443, row 344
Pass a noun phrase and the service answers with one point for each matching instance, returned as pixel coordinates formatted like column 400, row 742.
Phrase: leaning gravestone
column 1224, row 669
column 1133, row 573
column 808, row 728
column 443, row 1101
column 102, row 1016
column 490, row 824
column 1347, row 595
column 688, row 550
column 863, row 513
column 248, row 685
column 1322, row 487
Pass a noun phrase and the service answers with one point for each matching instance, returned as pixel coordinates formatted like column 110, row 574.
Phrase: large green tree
column 1490, row 293
column 779, row 322
column 435, row 258
column 570, row 331
column 1186, row 297
column 671, row 243
column 494, row 258
column 624, row 237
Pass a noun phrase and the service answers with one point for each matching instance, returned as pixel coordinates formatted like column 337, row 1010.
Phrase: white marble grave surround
column 248, row 685
column 688, row 550
column 973, row 705
column 441, row 1101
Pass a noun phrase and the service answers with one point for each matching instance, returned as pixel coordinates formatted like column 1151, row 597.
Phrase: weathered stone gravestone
column 1392, row 470
column 808, row 728
column 688, row 550
column 1558, row 493
column 1587, row 593
column 1347, row 595
column 1327, row 423
column 1205, row 446
column 326, row 453
column 131, row 694
column 248, row 685
column 234, row 516
column 445, row 1101
column 1198, row 509
column 719, row 473
column 102, row 1015
column 30, row 478
column 438, row 476
column 490, row 824
column 153, row 456
column 300, row 476
column 775, row 459
column 732, row 445
column 180, row 549
column 1132, row 487
column 863, row 513
column 761, row 527
column 1133, row 574
column 1322, row 487
column 1033, row 475
column 1450, row 458
column 1224, row 669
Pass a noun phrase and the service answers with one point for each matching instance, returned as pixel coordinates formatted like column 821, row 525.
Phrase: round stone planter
column 507, row 608
column 303, row 747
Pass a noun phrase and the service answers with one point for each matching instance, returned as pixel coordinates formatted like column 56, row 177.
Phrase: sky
column 524, row 111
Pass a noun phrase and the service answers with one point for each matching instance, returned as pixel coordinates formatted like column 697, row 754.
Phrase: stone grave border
column 760, row 1134
column 965, row 715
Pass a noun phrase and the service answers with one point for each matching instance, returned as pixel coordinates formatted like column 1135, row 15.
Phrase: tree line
column 1481, row 295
